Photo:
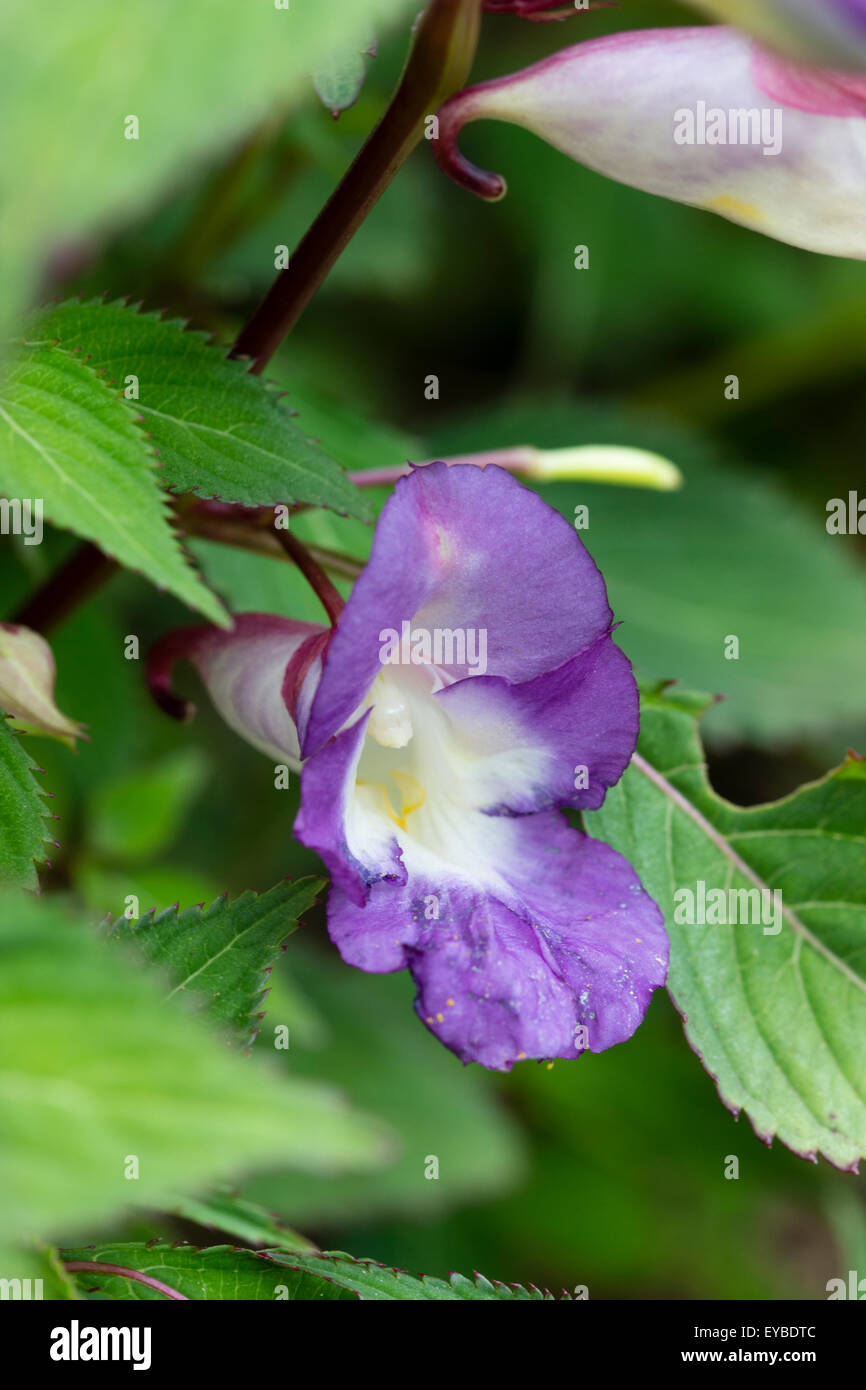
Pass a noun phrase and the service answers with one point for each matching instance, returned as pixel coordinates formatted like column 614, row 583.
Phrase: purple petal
column 559, row 740
column 464, row 548
column 574, row 943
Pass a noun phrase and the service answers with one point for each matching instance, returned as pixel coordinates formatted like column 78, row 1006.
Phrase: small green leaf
column 27, row 676
column 66, row 438
column 246, row 1221
column 218, row 431
column 136, row 815
column 776, row 1010
column 109, row 1095
column 22, row 812
column 338, row 84
column 223, row 954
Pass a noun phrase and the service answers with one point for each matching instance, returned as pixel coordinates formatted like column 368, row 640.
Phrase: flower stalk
column 329, row 597
column 595, row 463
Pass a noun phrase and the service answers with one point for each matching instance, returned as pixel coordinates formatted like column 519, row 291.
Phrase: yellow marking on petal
column 412, row 795
column 521, row 1056
column 735, row 207
column 450, row 1003
column 440, row 1018
column 429, row 1020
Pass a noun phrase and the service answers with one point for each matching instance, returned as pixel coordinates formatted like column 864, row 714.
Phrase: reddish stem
column 329, row 597
column 97, row 1267
column 76, row 579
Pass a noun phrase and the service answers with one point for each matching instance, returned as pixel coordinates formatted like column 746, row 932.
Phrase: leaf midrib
column 253, row 926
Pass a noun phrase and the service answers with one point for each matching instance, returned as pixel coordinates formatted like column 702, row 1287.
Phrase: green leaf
column 22, row 812
column 791, row 593
column 216, row 1273
column 338, row 85
column 101, row 1079
column 778, row 1017
column 376, row 1282
column 136, row 815
column 223, row 955
column 218, row 431
column 67, row 439
column 366, row 1038
column 246, row 1221
column 196, row 76
column 221, row 1272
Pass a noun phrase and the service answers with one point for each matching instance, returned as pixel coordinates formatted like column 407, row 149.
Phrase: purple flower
column 470, row 689
column 699, row 115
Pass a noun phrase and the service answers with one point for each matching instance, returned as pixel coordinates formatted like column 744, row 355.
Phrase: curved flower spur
column 470, row 689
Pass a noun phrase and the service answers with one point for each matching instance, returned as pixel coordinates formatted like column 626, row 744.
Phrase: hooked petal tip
column 457, row 112
column 162, row 659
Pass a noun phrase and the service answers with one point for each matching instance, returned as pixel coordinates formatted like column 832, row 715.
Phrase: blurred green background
column 607, row 1172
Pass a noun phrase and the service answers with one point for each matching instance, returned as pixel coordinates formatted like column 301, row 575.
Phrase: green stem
column 438, row 65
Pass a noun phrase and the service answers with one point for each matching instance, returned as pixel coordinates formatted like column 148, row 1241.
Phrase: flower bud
column 604, row 463
column 27, row 676
column 699, row 115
